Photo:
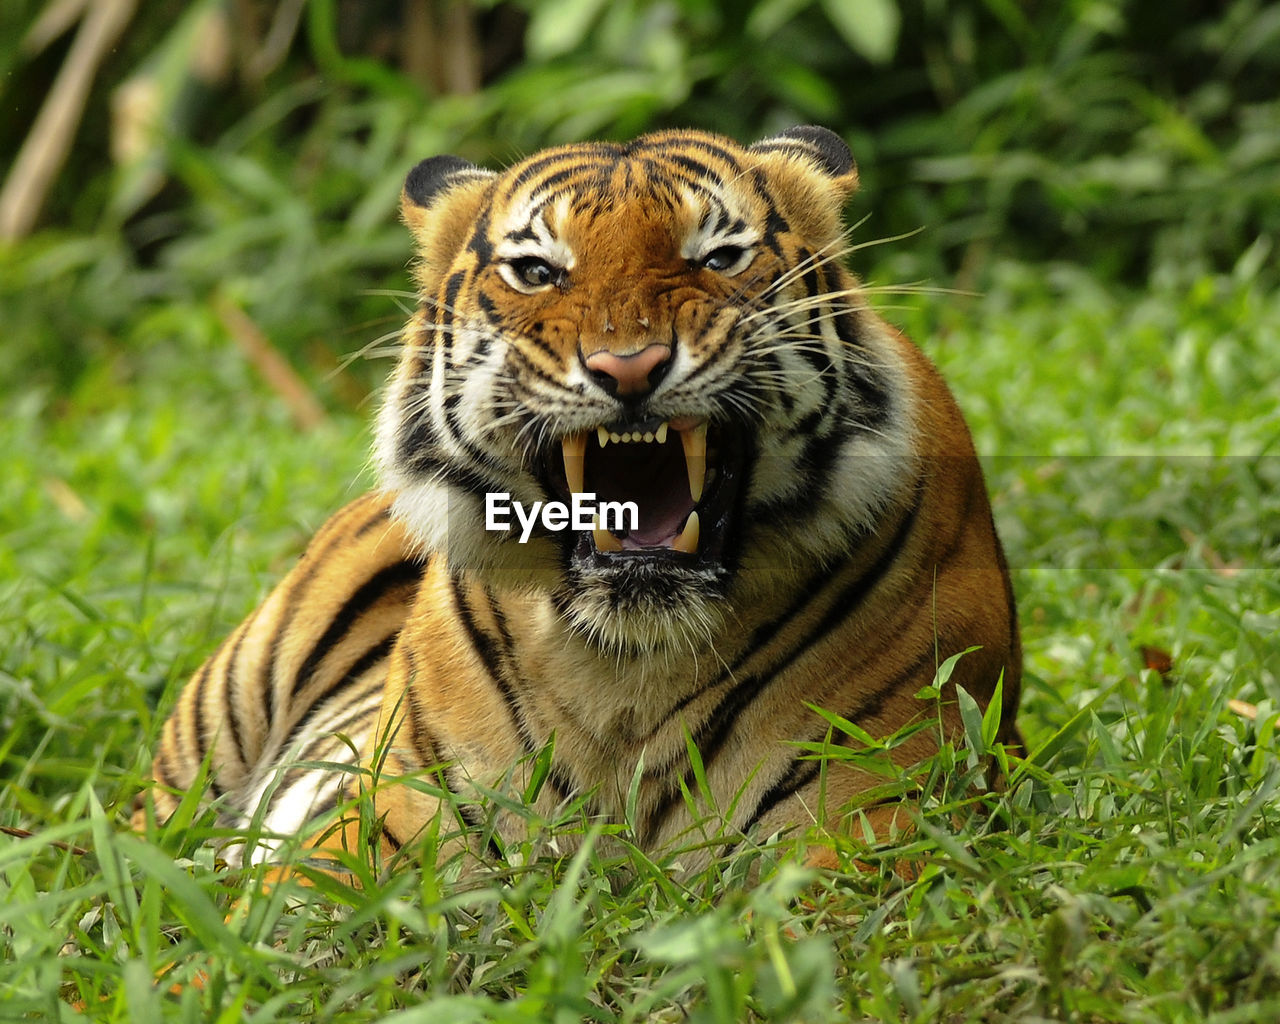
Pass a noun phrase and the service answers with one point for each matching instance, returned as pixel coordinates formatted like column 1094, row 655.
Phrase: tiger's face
column 664, row 325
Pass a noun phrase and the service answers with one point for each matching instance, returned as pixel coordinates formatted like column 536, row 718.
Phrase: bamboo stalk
column 46, row 146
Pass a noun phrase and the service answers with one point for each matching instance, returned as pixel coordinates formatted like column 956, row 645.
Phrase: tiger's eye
column 534, row 272
column 723, row 258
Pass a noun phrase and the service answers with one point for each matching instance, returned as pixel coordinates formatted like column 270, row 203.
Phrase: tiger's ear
column 440, row 204
column 813, row 173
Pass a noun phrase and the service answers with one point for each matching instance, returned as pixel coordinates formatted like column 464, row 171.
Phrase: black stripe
column 480, row 245
column 464, row 478
column 366, row 661
column 813, row 587
column 466, row 809
column 417, row 717
column 526, row 233
column 229, row 700
column 452, row 286
column 557, row 775
column 679, row 156
column 230, row 677
column 483, row 644
column 416, row 441
column 815, row 355
column 392, row 839
column 340, row 536
column 479, row 455
column 775, row 225
column 485, row 647
column 397, row 575
column 522, row 363
column 872, row 704
column 678, row 181
column 197, row 696
column 318, row 750
column 847, row 330
column 814, row 463
column 716, row 356
column 532, row 336
column 368, row 704
column 551, row 181
column 586, row 156
column 722, row 720
column 797, row 775
column 325, row 806
column 163, row 770
column 863, row 379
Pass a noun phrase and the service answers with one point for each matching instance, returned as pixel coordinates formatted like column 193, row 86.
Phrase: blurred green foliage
column 1128, row 136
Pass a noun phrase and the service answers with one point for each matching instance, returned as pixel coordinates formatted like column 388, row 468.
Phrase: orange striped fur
column 688, row 289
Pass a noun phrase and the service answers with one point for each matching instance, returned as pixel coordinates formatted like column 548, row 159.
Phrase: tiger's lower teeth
column 604, row 540
column 686, row 542
column 688, row 539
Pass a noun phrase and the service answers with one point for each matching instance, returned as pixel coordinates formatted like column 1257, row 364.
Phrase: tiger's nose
column 630, row 375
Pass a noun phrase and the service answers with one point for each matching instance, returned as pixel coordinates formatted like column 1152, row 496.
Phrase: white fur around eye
column 708, row 244
column 514, row 258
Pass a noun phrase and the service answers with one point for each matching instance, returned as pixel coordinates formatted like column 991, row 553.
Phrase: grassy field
column 1097, row 180
column 1127, row 874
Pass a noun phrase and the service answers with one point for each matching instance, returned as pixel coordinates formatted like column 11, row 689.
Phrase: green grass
column 1127, row 873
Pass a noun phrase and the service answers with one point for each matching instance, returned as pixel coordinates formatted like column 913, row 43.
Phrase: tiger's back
column 664, row 322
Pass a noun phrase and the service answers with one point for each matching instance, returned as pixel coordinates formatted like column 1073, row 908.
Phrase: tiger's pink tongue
column 658, row 531
column 679, row 539
column 661, row 518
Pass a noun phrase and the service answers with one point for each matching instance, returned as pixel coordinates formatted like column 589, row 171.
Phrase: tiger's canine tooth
column 688, row 539
column 575, row 452
column 603, row 435
column 694, row 440
column 604, row 540
column 661, row 433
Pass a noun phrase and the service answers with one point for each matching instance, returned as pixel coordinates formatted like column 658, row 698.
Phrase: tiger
column 666, row 328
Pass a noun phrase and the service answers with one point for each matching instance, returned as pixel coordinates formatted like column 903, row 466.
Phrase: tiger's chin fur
column 636, row 608
column 667, row 323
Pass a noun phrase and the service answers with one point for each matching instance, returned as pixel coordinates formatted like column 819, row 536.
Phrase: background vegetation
column 193, row 296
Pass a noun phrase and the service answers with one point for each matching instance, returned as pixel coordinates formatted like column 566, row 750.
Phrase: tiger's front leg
column 445, row 732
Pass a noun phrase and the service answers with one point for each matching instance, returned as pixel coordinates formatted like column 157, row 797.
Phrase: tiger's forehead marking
column 530, row 231
column 699, row 190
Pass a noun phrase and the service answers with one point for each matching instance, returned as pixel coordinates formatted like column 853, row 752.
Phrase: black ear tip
column 429, row 176
column 831, row 150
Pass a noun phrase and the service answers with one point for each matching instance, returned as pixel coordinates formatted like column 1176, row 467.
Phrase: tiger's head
column 664, row 322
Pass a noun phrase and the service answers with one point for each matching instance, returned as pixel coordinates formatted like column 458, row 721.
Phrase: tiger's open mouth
column 682, row 476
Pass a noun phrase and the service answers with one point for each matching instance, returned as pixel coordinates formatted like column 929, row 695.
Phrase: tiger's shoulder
column 308, row 663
